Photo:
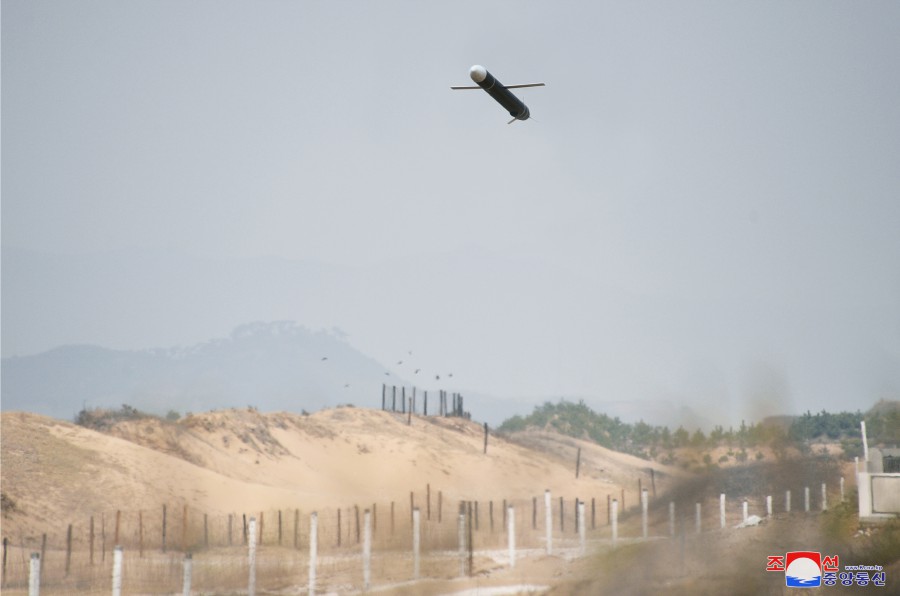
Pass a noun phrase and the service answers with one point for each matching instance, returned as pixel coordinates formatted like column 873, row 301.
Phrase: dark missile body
column 512, row 104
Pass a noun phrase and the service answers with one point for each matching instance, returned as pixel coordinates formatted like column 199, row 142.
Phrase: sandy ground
column 242, row 460
column 211, row 466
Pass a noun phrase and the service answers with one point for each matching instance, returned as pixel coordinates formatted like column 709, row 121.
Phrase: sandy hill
column 244, row 460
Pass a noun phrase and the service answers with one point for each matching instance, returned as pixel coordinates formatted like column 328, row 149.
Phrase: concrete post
column 313, row 550
column 548, row 521
column 251, row 543
column 511, row 531
column 34, row 575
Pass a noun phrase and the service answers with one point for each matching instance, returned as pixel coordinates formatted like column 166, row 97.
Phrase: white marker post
column 416, row 541
column 865, row 442
column 548, row 521
column 806, row 499
column 842, row 488
column 251, row 543
column 722, row 510
column 186, row 580
column 697, row 521
column 461, row 530
column 824, row 498
column 34, row 575
column 644, row 502
column 769, row 506
column 581, row 530
column 117, row 572
column 615, row 522
column 367, row 545
column 313, row 550
column 787, row 501
column 745, row 510
column 671, row 519
column 511, row 531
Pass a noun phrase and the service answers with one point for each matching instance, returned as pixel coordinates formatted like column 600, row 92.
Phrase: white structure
column 879, row 491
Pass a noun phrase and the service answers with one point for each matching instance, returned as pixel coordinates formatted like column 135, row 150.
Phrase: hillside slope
column 240, row 460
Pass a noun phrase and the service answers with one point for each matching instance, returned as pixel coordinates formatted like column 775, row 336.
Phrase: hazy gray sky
column 705, row 207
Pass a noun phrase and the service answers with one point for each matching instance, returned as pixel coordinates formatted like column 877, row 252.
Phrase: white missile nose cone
column 478, row 73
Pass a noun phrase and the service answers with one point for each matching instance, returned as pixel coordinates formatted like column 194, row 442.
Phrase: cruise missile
column 500, row 92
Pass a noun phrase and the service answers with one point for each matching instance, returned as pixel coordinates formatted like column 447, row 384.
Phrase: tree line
column 778, row 433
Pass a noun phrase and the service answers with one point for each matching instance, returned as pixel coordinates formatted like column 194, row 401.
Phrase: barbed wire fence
column 350, row 548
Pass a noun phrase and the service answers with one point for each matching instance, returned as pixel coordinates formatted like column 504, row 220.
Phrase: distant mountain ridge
column 272, row 366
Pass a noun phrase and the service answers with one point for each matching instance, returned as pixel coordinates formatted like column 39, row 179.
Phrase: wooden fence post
column 578, row 463
column 140, row 536
column 562, row 525
column 5, row 548
column 440, row 505
column 68, row 549
column 416, row 543
column 163, row 530
column 91, row 540
column 428, row 500
column 339, row 527
column 367, row 549
column 485, row 437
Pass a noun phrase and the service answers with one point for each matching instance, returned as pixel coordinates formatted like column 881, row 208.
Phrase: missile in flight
column 500, row 92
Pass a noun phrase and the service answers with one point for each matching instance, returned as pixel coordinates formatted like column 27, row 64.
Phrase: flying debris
column 437, row 377
column 417, row 371
column 324, row 358
column 500, row 92
column 399, row 362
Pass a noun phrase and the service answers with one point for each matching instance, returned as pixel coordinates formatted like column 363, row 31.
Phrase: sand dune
column 236, row 460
